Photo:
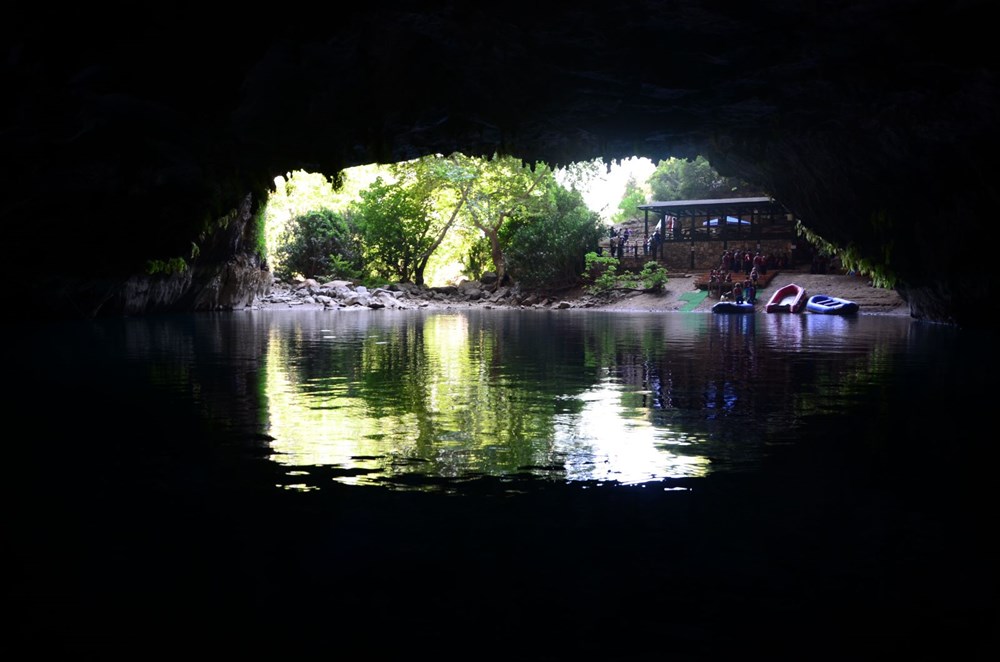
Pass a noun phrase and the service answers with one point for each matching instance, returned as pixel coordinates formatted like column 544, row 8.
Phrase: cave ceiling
column 875, row 122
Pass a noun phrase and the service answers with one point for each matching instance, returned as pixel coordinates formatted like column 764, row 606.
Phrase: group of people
column 743, row 261
column 619, row 241
column 721, row 283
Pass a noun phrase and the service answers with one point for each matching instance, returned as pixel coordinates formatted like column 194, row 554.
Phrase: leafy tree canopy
column 419, row 216
column 318, row 244
column 682, row 179
column 548, row 250
column 298, row 194
column 634, row 196
column 396, row 223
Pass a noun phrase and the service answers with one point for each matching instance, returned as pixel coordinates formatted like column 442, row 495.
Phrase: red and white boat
column 789, row 298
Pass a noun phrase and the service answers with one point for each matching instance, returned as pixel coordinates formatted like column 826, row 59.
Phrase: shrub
column 317, row 244
column 602, row 275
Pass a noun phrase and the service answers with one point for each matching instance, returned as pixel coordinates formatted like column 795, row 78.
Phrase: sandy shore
column 681, row 294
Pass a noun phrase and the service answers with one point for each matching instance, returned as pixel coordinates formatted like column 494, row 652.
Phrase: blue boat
column 829, row 305
column 732, row 307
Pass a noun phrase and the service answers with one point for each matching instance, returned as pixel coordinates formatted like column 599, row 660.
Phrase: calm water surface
column 392, row 397
column 304, row 472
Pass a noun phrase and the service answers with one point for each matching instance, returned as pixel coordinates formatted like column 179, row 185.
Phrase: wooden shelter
column 742, row 222
column 691, row 220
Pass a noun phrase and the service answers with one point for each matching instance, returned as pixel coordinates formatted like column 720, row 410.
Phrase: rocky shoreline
column 681, row 293
column 345, row 295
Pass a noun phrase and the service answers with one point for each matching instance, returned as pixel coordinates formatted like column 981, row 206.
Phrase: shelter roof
column 715, row 207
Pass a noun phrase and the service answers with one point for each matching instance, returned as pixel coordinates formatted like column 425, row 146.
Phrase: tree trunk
column 496, row 252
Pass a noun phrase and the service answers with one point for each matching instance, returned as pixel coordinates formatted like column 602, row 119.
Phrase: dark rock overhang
column 127, row 135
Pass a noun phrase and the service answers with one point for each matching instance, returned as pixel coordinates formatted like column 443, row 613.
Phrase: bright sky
column 606, row 192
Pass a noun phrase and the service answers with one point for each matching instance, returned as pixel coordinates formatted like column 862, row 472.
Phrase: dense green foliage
column 634, row 196
column 318, row 244
column 652, row 277
column 166, row 267
column 600, row 272
column 504, row 195
column 850, row 258
column 449, row 216
column 548, row 250
column 441, row 218
column 682, row 179
column 439, row 185
column 260, row 232
column 395, row 225
column 476, row 259
column 602, row 275
column 299, row 194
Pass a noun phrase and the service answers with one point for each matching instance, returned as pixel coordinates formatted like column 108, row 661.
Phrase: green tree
column 416, row 217
column 602, row 276
column 634, row 196
column 318, row 244
column 295, row 196
column 476, row 258
column 547, row 248
column 393, row 222
column 298, row 194
column 503, row 189
column 442, row 184
column 695, row 179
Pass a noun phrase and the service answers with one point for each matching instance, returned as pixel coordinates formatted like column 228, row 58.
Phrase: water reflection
column 455, row 395
column 613, row 438
column 560, row 395
column 411, row 398
column 846, row 483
